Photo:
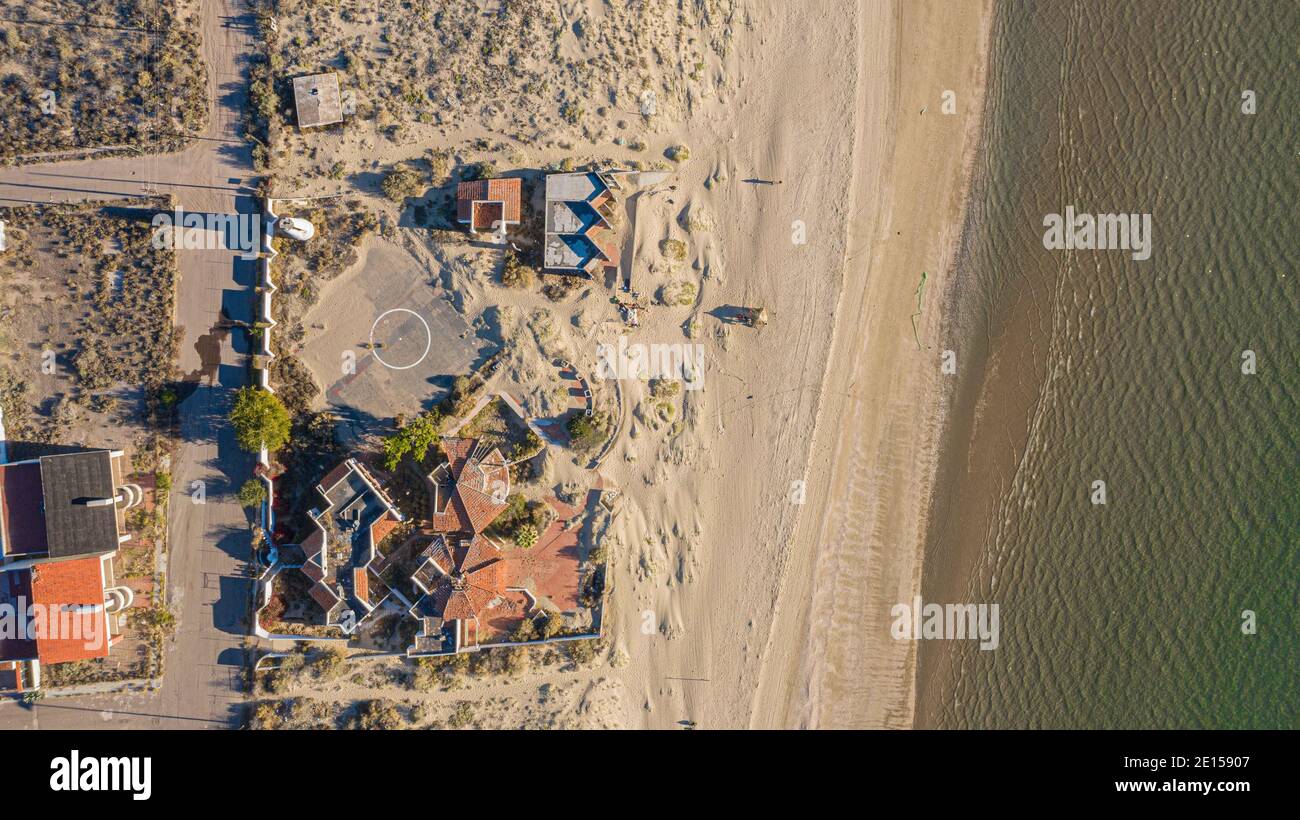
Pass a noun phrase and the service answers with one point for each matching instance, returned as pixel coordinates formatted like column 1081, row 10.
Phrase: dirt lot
column 547, row 686
column 83, row 74
column 85, row 326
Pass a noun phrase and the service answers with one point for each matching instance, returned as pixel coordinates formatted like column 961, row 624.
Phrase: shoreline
column 829, row 660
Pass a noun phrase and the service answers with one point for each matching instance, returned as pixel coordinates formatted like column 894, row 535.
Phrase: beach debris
column 920, row 293
column 649, row 103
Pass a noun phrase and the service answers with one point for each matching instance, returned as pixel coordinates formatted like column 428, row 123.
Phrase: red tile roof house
column 340, row 555
column 489, row 205
column 61, row 521
column 461, row 573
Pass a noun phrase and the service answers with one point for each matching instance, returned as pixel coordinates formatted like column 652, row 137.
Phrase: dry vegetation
column 85, row 324
column 323, row 689
column 124, row 74
column 528, row 69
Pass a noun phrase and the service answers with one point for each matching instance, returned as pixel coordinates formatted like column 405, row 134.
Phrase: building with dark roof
column 81, row 506
column 342, row 549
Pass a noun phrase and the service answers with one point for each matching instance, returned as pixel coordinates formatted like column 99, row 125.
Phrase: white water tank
column 295, row 228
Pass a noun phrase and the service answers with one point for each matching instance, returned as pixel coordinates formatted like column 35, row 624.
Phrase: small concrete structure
column 316, row 99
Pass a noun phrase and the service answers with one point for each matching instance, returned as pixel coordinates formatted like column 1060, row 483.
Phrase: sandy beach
column 858, row 547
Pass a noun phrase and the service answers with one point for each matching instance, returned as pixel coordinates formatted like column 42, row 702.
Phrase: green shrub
column 525, row 631
column 678, row 153
column 252, row 493
column 378, row 714
column 481, row 170
column 587, row 432
column 674, row 249
column 516, row 274
column 680, row 294
column 260, row 420
column 553, row 625
column 526, row 536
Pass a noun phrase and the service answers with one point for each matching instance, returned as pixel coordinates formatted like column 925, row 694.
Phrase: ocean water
column 1078, row 366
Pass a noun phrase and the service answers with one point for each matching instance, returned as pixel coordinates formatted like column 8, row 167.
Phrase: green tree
column 260, row 420
column 415, row 438
column 587, row 432
column 252, row 494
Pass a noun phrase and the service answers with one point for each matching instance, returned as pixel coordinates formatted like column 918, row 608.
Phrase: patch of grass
column 678, row 294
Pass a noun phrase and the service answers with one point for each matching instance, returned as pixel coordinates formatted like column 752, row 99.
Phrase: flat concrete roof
column 561, row 218
column 560, row 254
column 580, row 186
column 316, row 98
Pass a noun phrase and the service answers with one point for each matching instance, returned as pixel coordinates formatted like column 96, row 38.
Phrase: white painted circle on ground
column 428, row 339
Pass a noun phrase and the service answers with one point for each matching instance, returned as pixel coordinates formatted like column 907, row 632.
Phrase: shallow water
column 1088, row 365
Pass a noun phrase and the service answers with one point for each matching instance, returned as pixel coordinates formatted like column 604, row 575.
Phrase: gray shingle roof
column 80, row 514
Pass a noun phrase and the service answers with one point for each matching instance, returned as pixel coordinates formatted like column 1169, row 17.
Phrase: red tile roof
column 457, row 451
column 324, row 596
column 22, row 506
column 486, row 215
column 334, row 476
column 382, row 527
column 505, row 191
column 478, row 578
column 452, row 519
column 73, row 593
column 313, row 570
column 361, row 584
column 479, row 494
